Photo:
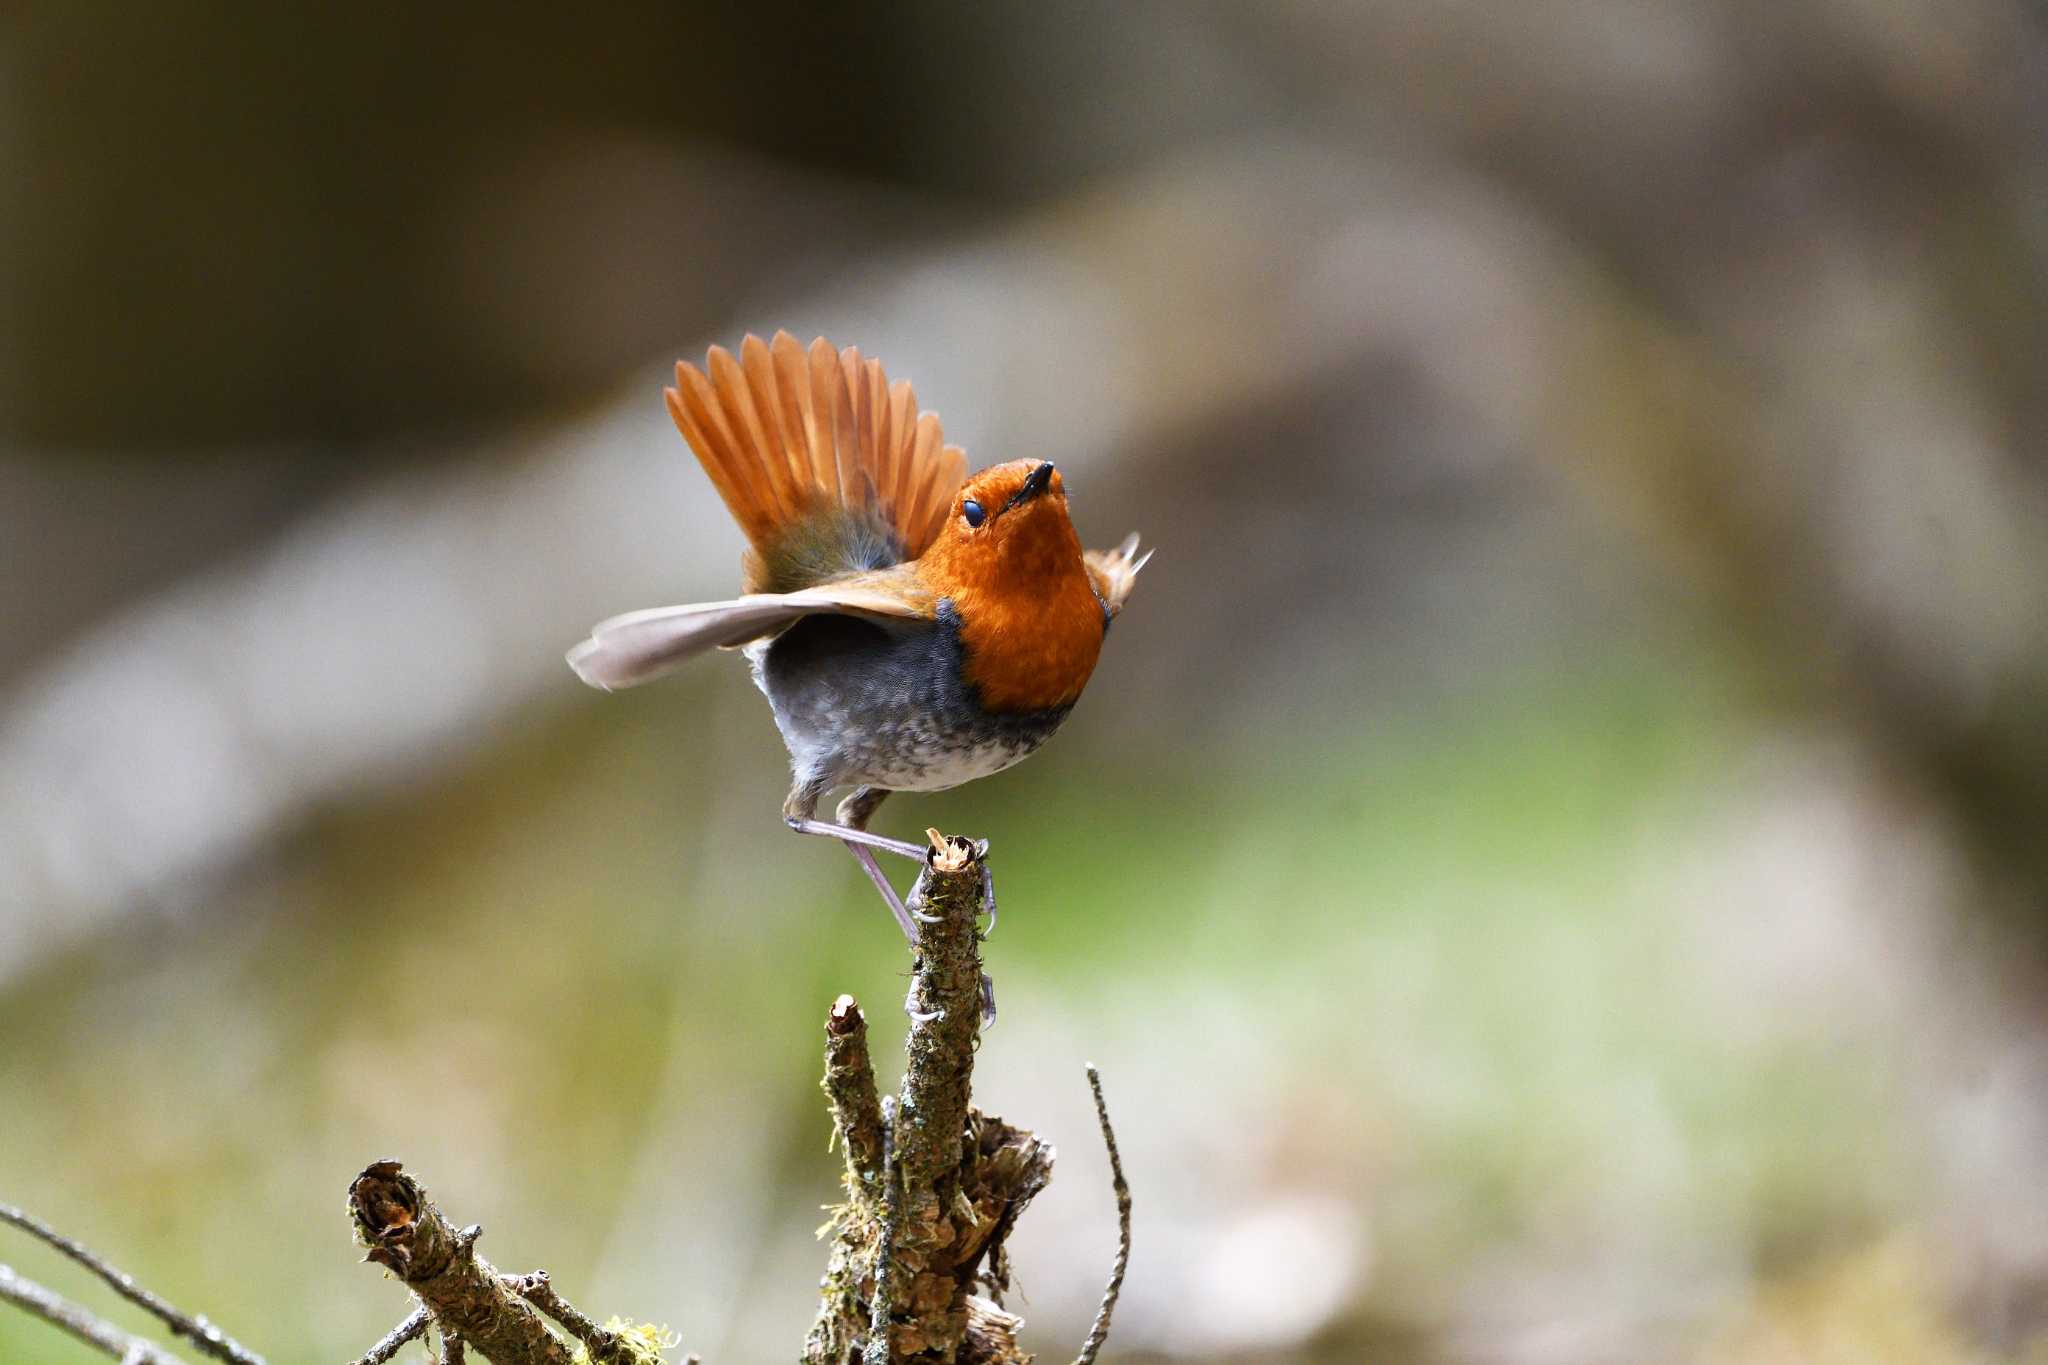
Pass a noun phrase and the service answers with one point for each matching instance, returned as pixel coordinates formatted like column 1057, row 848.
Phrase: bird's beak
column 1035, row 483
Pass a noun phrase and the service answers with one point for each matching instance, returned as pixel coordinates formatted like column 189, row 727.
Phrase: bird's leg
column 847, row 835
column 860, row 806
column 854, row 813
column 889, row 896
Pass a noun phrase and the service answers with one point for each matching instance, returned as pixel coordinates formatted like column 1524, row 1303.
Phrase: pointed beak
column 1036, row 482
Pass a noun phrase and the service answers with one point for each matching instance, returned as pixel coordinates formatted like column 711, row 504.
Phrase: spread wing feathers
column 787, row 431
column 1115, row 572
column 625, row 651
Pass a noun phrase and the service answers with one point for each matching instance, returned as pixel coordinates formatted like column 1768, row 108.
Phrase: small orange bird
column 912, row 627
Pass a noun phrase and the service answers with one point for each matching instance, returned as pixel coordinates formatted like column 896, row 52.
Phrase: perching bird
column 913, row 628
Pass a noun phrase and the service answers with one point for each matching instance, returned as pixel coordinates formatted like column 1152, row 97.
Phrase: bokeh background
column 1552, row 864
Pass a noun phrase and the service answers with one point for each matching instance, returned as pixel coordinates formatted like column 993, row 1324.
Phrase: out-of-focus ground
column 1551, row 863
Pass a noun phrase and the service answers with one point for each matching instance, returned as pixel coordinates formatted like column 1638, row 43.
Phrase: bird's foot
column 988, row 895
column 915, row 901
column 918, row 1016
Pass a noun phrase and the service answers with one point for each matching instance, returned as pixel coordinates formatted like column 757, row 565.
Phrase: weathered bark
column 928, row 1224
column 850, row 1082
column 408, row 1235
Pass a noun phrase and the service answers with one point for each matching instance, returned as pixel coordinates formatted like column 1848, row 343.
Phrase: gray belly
column 887, row 706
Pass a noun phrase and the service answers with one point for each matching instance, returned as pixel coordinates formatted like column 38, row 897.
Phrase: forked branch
column 934, row 1187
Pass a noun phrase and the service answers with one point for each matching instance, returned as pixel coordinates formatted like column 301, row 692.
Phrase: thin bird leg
column 848, row 835
column 798, row 810
column 889, row 896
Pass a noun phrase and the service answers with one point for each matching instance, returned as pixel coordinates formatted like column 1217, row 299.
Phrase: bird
column 913, row 627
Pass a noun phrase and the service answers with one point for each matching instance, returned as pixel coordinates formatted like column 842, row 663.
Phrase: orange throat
column 1030, row 623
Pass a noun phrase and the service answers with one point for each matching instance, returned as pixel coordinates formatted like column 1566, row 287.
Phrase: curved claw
column 915, row 902
column 988, row 899
column 988, row 1001
column 918, row 1016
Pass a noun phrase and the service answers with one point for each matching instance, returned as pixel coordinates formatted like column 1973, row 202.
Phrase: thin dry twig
column 203, row 1335
column 1099, row 1333
column 537, row 1290
column 80, row 1322
column 394, row 1341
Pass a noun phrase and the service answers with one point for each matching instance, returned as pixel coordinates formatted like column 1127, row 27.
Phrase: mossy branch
column 933, row 1185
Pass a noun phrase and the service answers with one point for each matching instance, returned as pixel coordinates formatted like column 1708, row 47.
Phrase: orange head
column 1009, row 560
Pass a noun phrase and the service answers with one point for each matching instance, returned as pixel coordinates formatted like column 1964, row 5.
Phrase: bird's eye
column 972, row 511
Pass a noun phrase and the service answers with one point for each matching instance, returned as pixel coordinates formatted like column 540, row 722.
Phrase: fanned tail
column 825, row 465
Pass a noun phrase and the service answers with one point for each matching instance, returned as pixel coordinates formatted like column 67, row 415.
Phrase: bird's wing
column 1115, row 572
column 625, row 651
column 826, row 466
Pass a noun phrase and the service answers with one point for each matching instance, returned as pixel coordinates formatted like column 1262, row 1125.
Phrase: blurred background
column 1552, row 864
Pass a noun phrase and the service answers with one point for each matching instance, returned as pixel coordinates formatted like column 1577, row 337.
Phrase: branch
column 945, row 1018
column 1099, row 1333
column 850, row 1083
column 882, row 1300
column 605, row 1345
column 206, row 1337
column 409, row 1236
column 60, row 1312
column 394, row 1341
column 934, row 1186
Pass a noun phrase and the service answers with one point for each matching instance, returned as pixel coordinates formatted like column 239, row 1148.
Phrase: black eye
column 972, row 511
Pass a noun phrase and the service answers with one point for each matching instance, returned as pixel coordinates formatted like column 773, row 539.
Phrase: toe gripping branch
column 964, row 862
column 954, row 848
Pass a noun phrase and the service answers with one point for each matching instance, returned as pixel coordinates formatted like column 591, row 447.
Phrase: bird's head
column 1008, row 524
column 1009, row 560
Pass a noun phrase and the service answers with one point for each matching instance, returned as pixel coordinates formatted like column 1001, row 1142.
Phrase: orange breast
column 1031, row 624
column 1031, row 651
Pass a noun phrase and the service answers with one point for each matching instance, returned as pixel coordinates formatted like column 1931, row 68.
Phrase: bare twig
column 1099, row 1333
column 394, row 1341
column 604, row 1345
column 81, row 1323
column 409, row 1236
column 203, row 1335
